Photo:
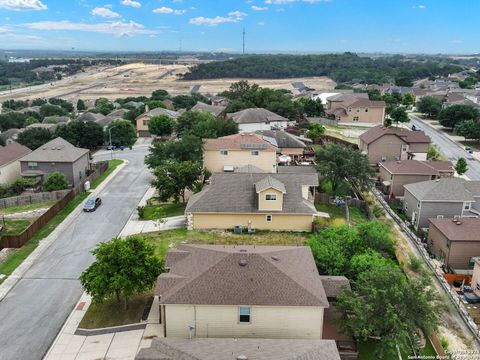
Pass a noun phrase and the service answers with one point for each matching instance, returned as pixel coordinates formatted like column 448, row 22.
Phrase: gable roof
column 334, row 285
column 12, row 152
column 281, row 139
column 212, row 109
column 465, row 229
column 269, row 183
column 404, row 167
column 243, row 141
column 160, row 111
column 56, row 150
column 406, row 135
column 255, row 115
column 445, row 189
column 239, row 275
column 218, row 196
column 89, row 116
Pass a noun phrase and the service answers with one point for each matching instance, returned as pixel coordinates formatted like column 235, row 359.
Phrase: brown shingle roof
column 212, row 109
column 417, row 167
column 255, row 115
column 12, row 152
column 334, row 285
column 406, row 135
column 56, row 150
column 468, row 230
column 243, row 141
column 239, row 275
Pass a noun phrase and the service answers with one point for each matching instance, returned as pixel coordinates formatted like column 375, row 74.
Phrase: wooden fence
column 100, row 168
column 32, row 198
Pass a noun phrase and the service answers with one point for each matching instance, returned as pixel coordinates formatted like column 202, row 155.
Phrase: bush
column 141, row 212
column 444, row 343
column 415, row 264
column 378, row 211
column 55, row 181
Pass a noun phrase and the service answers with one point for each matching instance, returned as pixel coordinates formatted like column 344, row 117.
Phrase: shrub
column 415, row 264
column 55, row 181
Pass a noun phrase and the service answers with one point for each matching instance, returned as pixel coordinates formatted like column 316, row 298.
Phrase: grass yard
column 155, row 212
column 337, row 214
column 164, row 240
column 366, row 351
column 14, row 226
column 111, row 313
column 28, row 207
column 112, row 165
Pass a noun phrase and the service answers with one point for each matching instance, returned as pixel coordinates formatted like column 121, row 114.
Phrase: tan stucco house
column 143, row 119
column 228, row 153
column 221, row 291
column 9, row 161
column 382, row 143
column 354, row 109
column 282, row 202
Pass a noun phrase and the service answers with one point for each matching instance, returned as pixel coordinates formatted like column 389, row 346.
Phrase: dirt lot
column 141, row 79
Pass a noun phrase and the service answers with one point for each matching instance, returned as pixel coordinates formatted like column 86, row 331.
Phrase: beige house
column 231, row 152
column 217, row 291
column 355, row 109
column 10, row 155
column 382, row 143
column 282, row 202
column 143, row 119
column 395, row 174
column 287, row 144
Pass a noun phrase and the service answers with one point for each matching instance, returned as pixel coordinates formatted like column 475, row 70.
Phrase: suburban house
column 354, row 109
column 282, row 202
column 441, row 198
column 10, row 135
column 229, row 291
column 143, row 119
column 382, row 143
column 57, row 155
column 287, row 144
column 9, row 161
column 455, row 242
column 90, row 116
column 228, row 153
column 395, row 174
column 212, row 109
column 255, row 119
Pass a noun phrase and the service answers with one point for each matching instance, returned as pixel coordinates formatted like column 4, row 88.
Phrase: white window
column 224, row 152
column 268, row 218
column 355, row 118
column 439, row 216
column 270, row 197
column 32, row 165
column 467, row 206
column 255, row 152
column 349, row 109
column 384, row 158
column 404, row 147
column 244, row 315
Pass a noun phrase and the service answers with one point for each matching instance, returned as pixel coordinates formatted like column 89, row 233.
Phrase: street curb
column 45, row 243
column 109, row 330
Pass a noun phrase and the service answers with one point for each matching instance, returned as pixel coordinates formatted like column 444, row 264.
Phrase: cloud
column 420, row 7
column 22, row 5
column 167, row 10
column 233, row 17
column 282, row 2
column 260, row 23
column 117, row 28
column 131, row 3
column 105, row 13
column 259, row 8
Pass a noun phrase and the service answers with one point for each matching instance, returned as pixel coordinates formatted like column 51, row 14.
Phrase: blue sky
column 405, row 26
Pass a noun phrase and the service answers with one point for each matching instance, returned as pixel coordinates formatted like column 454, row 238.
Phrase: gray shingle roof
column 89, row 116
column 212, row 109
column 445, row 189
column 228, row 348
column 269, row 182
column 160, row 111
column 56, row 150
column 239, row 275
column 334, row 285
column 235, row 193
column 255, row 115
column 281, row 139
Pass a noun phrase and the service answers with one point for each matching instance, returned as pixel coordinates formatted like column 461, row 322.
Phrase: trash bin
column 238, row 229
column 86, row 186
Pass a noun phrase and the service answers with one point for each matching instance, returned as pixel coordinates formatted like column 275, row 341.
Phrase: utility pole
column 243, row 45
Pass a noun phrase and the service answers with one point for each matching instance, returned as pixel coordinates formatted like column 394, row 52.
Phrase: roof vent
column 275, row 258
column 243, row 250
column 243, row 262
column 242, row 357
column 459, row 222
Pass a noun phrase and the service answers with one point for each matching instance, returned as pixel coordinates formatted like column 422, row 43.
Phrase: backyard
column 337, row 214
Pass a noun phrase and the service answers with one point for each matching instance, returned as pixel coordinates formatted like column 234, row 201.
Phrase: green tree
column 469, row 129
column 368, row 261
column 14, row 104
column 432, row 153
column 408, row 99
column 399, row 115
column 172, row 179
column 188, row 101
column 312, row 107
column 38, row 102
column 403, row 80
column 429, row 106
column 376, row 236
column 55, row 181
column 123, row 133
column 315, row 130
column 159, row 94
column 64, row 104
column 12, row 120
column 103, row 106
column 204, row 125
column 188, row 148
column 81, row 105
column 81, row 134
column 154, row 104
column 461, row 167
column 34, row 137
column 161, row 125
column 52, row 110
column 31, row 120
column 339, row 164
column 122, row 268
column 456, row 114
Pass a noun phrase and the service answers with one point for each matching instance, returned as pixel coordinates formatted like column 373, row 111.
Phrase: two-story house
column 441, row 198
column 143, row 119
column 9, row 161
column 228, row 153
column 282, row 202
column 286, row 143
column 355, row 109
column 391, row 143
column 256, row 119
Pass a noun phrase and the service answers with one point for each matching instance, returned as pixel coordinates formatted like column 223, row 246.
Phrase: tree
column 55, row 181
column 14, row 104
column 122, row 268
column 456, row 114
column 34, row 137
column 81, row 134
column 161, row 125
column 173, row 178
column 38, row 102
column 429, row 106
column 12, row 120
column 376, row 236
column 469, row 129
column 31, row 120
column 312, row 107
column 68, row 106
column 403, row 80
column 432, row 153
column 315, row 130
column 123, row 133
column 188, row 101
column 461, row 167
column 339, row 164
column 408, row 99
column 204, row 125
column 368, row 261
column 188, row 148
column 159, row 94
column 103, row 106
column 154, row 104
column 52, row 110
column 399, row 115
column 81, row 105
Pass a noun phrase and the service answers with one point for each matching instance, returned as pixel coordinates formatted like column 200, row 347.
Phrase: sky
column 304, row 26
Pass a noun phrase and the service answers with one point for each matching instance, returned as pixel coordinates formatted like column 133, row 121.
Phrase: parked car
column 92, row 204
column 471, row 298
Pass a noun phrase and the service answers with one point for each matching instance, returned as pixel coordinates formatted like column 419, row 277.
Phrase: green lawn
column 112, row 313
column 112, row 165
column 14, row 226
column 28, row 207
column 366, row 351
column 337, row 214
column 155, row 212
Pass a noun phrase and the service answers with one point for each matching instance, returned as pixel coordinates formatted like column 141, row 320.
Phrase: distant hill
column 345, row 68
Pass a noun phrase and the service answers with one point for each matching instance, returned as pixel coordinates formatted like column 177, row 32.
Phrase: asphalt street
column 36, row 308
column 447, row 147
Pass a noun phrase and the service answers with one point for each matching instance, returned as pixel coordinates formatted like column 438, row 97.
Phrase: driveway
column 447, row 147
column 34, row 311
